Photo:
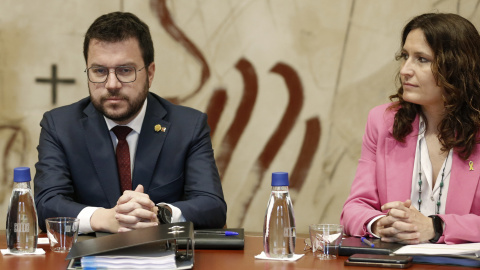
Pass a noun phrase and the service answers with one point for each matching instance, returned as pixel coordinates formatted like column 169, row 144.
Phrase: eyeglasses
column 124, row 74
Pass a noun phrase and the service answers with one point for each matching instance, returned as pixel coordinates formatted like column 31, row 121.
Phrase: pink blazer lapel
column 464, row 179
column 399, row 159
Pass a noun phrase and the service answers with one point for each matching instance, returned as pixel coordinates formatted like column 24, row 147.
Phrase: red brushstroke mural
column 244, row 112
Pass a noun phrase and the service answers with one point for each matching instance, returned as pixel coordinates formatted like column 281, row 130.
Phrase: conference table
column 206, row 259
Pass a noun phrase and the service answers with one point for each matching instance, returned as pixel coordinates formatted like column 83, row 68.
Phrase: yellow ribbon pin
column 470, row 163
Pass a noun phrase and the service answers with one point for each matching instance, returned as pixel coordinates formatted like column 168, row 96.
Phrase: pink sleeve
column 460, row 229
column 363, row 204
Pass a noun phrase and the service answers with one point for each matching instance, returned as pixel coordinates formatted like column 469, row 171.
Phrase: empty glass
column 62, row 233
column 325, row 238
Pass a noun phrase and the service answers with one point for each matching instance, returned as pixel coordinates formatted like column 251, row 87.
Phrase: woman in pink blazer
column 418, row 176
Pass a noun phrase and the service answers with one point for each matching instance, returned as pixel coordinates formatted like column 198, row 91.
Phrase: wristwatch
column 437, row 227
column 164, row 214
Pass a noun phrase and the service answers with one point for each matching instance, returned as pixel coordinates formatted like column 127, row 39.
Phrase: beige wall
column 336, row 54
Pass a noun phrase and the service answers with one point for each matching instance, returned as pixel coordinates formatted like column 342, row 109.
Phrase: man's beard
column 134, row 106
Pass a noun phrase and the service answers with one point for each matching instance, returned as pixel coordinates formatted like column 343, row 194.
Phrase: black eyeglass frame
column 115, row 71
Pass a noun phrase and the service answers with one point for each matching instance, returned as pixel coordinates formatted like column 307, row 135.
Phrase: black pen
column 366, row 241
column 226, row 233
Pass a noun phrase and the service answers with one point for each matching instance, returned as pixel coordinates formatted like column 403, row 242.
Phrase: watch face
column 168, row 215
column 164, row 215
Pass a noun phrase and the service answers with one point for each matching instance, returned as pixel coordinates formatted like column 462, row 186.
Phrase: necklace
column 420, row 180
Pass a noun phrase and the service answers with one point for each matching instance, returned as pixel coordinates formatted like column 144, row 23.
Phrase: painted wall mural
column 14, row 146
column 244, row 111
column 286, row 84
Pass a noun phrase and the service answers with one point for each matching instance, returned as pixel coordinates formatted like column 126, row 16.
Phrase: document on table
column 131, row 260
column 472, row 249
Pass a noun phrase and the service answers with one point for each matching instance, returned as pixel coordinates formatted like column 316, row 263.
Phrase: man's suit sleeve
column 53, row 187
column 203, row 202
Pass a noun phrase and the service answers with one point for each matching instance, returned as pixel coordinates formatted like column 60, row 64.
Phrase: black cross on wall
column 54, row 81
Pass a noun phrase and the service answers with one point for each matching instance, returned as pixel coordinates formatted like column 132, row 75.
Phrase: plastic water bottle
column 22, row 234
column 279, row 226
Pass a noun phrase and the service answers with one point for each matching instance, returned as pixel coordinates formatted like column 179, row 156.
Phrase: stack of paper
column 132, row 260
column 472, row 249
column 459, row 254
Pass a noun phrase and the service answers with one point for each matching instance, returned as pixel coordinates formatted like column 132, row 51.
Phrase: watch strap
column 437, row 227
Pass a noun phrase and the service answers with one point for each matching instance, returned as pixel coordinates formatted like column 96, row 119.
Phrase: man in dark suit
column 166, row 164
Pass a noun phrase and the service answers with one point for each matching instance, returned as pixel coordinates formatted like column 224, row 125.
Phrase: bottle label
column 21, row 227
column 288, row 232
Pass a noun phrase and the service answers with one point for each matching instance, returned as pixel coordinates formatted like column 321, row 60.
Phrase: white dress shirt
column 429, row 194
column 132, row 139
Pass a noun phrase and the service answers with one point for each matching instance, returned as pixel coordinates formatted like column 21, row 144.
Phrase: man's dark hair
column 120, row 26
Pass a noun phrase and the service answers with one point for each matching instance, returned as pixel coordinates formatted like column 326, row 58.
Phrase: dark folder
column 209, row 241
column 165, row 236
column 353, row 245
column 217, row 241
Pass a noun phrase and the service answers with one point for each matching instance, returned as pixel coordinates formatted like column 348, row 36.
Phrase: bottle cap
column 279, row 179
column 21, row 174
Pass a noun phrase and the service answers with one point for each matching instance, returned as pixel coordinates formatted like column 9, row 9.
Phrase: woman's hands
column 403, row 224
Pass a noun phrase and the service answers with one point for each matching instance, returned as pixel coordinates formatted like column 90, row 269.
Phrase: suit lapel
column 102, row 154
column 400, row 158
column 463, row 183
column 150, row 143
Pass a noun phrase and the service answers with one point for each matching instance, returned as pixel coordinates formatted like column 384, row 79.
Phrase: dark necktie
column 123, row 157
